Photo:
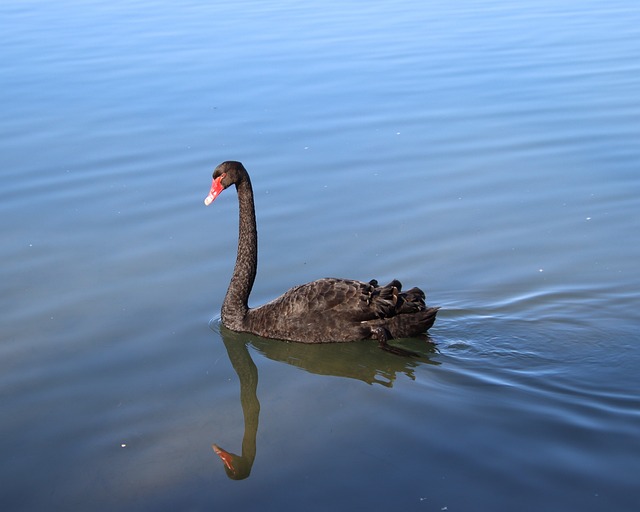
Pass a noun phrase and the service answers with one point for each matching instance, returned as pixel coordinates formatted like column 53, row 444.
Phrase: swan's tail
column 408, row 325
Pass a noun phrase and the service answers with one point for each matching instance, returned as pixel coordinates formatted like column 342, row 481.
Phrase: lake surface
column 486, row 151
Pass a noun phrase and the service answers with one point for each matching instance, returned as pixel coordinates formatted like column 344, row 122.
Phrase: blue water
column 486, row 151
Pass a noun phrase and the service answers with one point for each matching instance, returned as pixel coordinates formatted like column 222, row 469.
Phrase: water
column 484, row 151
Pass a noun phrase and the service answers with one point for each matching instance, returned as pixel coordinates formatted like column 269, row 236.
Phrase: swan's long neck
column 235, row 305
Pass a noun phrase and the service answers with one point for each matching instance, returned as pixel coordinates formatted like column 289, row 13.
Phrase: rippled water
column 485, row 151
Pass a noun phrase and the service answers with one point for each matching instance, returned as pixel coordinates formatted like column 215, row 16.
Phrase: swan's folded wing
column 329, row 295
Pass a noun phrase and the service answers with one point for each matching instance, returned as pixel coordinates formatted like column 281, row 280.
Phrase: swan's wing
column 358, row 300
column 329, row 295
column 333, row 309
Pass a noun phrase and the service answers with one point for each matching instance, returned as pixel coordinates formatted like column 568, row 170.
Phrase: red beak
column 216, row 188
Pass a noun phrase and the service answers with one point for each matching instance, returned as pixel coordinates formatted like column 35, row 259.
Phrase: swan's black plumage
column 323, row 311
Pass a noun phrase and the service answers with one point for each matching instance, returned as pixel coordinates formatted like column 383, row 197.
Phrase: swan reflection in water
column 374, row 366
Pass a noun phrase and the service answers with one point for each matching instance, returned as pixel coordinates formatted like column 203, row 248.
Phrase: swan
column 324, row 311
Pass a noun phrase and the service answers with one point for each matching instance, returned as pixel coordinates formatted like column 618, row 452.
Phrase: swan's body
column 323, row 311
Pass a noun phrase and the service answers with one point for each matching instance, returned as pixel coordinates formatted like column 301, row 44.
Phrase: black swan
column 323, row 311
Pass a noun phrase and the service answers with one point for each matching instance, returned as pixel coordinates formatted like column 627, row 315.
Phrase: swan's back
column 338, row 310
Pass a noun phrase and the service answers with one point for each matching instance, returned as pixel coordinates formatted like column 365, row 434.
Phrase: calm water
column 486, row 151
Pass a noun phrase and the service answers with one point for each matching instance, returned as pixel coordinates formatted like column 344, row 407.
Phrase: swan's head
column 225, row 175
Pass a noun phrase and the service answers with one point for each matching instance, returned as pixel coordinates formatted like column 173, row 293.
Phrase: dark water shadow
column 361, row 360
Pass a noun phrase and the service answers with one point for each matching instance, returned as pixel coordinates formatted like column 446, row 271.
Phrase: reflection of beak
column 226, row 457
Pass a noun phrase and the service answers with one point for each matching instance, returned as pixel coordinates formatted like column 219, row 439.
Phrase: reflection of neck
column 248, row 375
column 249, row 402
